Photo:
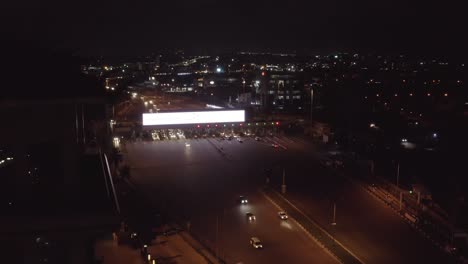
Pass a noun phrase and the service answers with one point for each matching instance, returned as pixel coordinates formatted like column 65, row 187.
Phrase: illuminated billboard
column 201, row 117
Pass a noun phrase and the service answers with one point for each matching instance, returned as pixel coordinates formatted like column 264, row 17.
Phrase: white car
column 243, row 200
column 255, row 242
column 250, row 216
column 282, row 215
column 187, row 144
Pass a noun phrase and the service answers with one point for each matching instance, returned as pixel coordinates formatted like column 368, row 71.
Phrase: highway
column 364, row 224
column 200, row 184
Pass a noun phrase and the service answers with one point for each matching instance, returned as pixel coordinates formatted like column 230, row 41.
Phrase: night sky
column 141, row 27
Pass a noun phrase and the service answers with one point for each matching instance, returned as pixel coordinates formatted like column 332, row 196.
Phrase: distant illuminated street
column 200, row 184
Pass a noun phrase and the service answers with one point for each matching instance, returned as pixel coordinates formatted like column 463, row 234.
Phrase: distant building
column 279, row 91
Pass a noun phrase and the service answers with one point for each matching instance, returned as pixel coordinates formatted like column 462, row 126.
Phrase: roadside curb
column 400, row 213
column 221, row 152
column 206, row 254
column 346, row 255
column 188, row 238
column 320, row 244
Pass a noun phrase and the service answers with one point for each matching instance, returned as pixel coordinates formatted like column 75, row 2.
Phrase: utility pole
column 217, row 239
column 401, row 201
column 334, row 214
column 283, row 186
column 76, row 124
column 83, row 123
column 398, row 175
column 311, row 104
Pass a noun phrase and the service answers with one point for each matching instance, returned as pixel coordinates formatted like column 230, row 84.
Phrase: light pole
column 398, row 175
column 311, row 103
column 283, row 186
column 217, row 240
column 334, row 215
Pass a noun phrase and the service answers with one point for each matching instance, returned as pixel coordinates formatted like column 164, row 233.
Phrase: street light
column 283, row 186
column 334, row 215
column 398, row 174
column 311, row 103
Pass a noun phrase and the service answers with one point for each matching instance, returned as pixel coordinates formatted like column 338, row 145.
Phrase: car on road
column 187, row 144
column 282, row 215
column 274, row 145
column 250, row 216
column 257, row 139
column 240, row 140
column 255, row 242
column 243, row 199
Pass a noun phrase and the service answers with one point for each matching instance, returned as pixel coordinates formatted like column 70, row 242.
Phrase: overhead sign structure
column 200, row 117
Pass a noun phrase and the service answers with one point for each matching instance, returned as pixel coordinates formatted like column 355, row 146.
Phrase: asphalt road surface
column 200, row 184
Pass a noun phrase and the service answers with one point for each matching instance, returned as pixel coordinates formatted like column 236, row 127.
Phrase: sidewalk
column 178, row 248
column 171, row 249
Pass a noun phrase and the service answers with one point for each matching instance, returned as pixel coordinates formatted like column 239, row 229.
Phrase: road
column 200, row 184
column 364, row 224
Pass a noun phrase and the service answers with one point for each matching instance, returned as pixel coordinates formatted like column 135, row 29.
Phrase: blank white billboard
column 202, row 117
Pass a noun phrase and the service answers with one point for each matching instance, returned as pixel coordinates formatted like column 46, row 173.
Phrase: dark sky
column 140, row 27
